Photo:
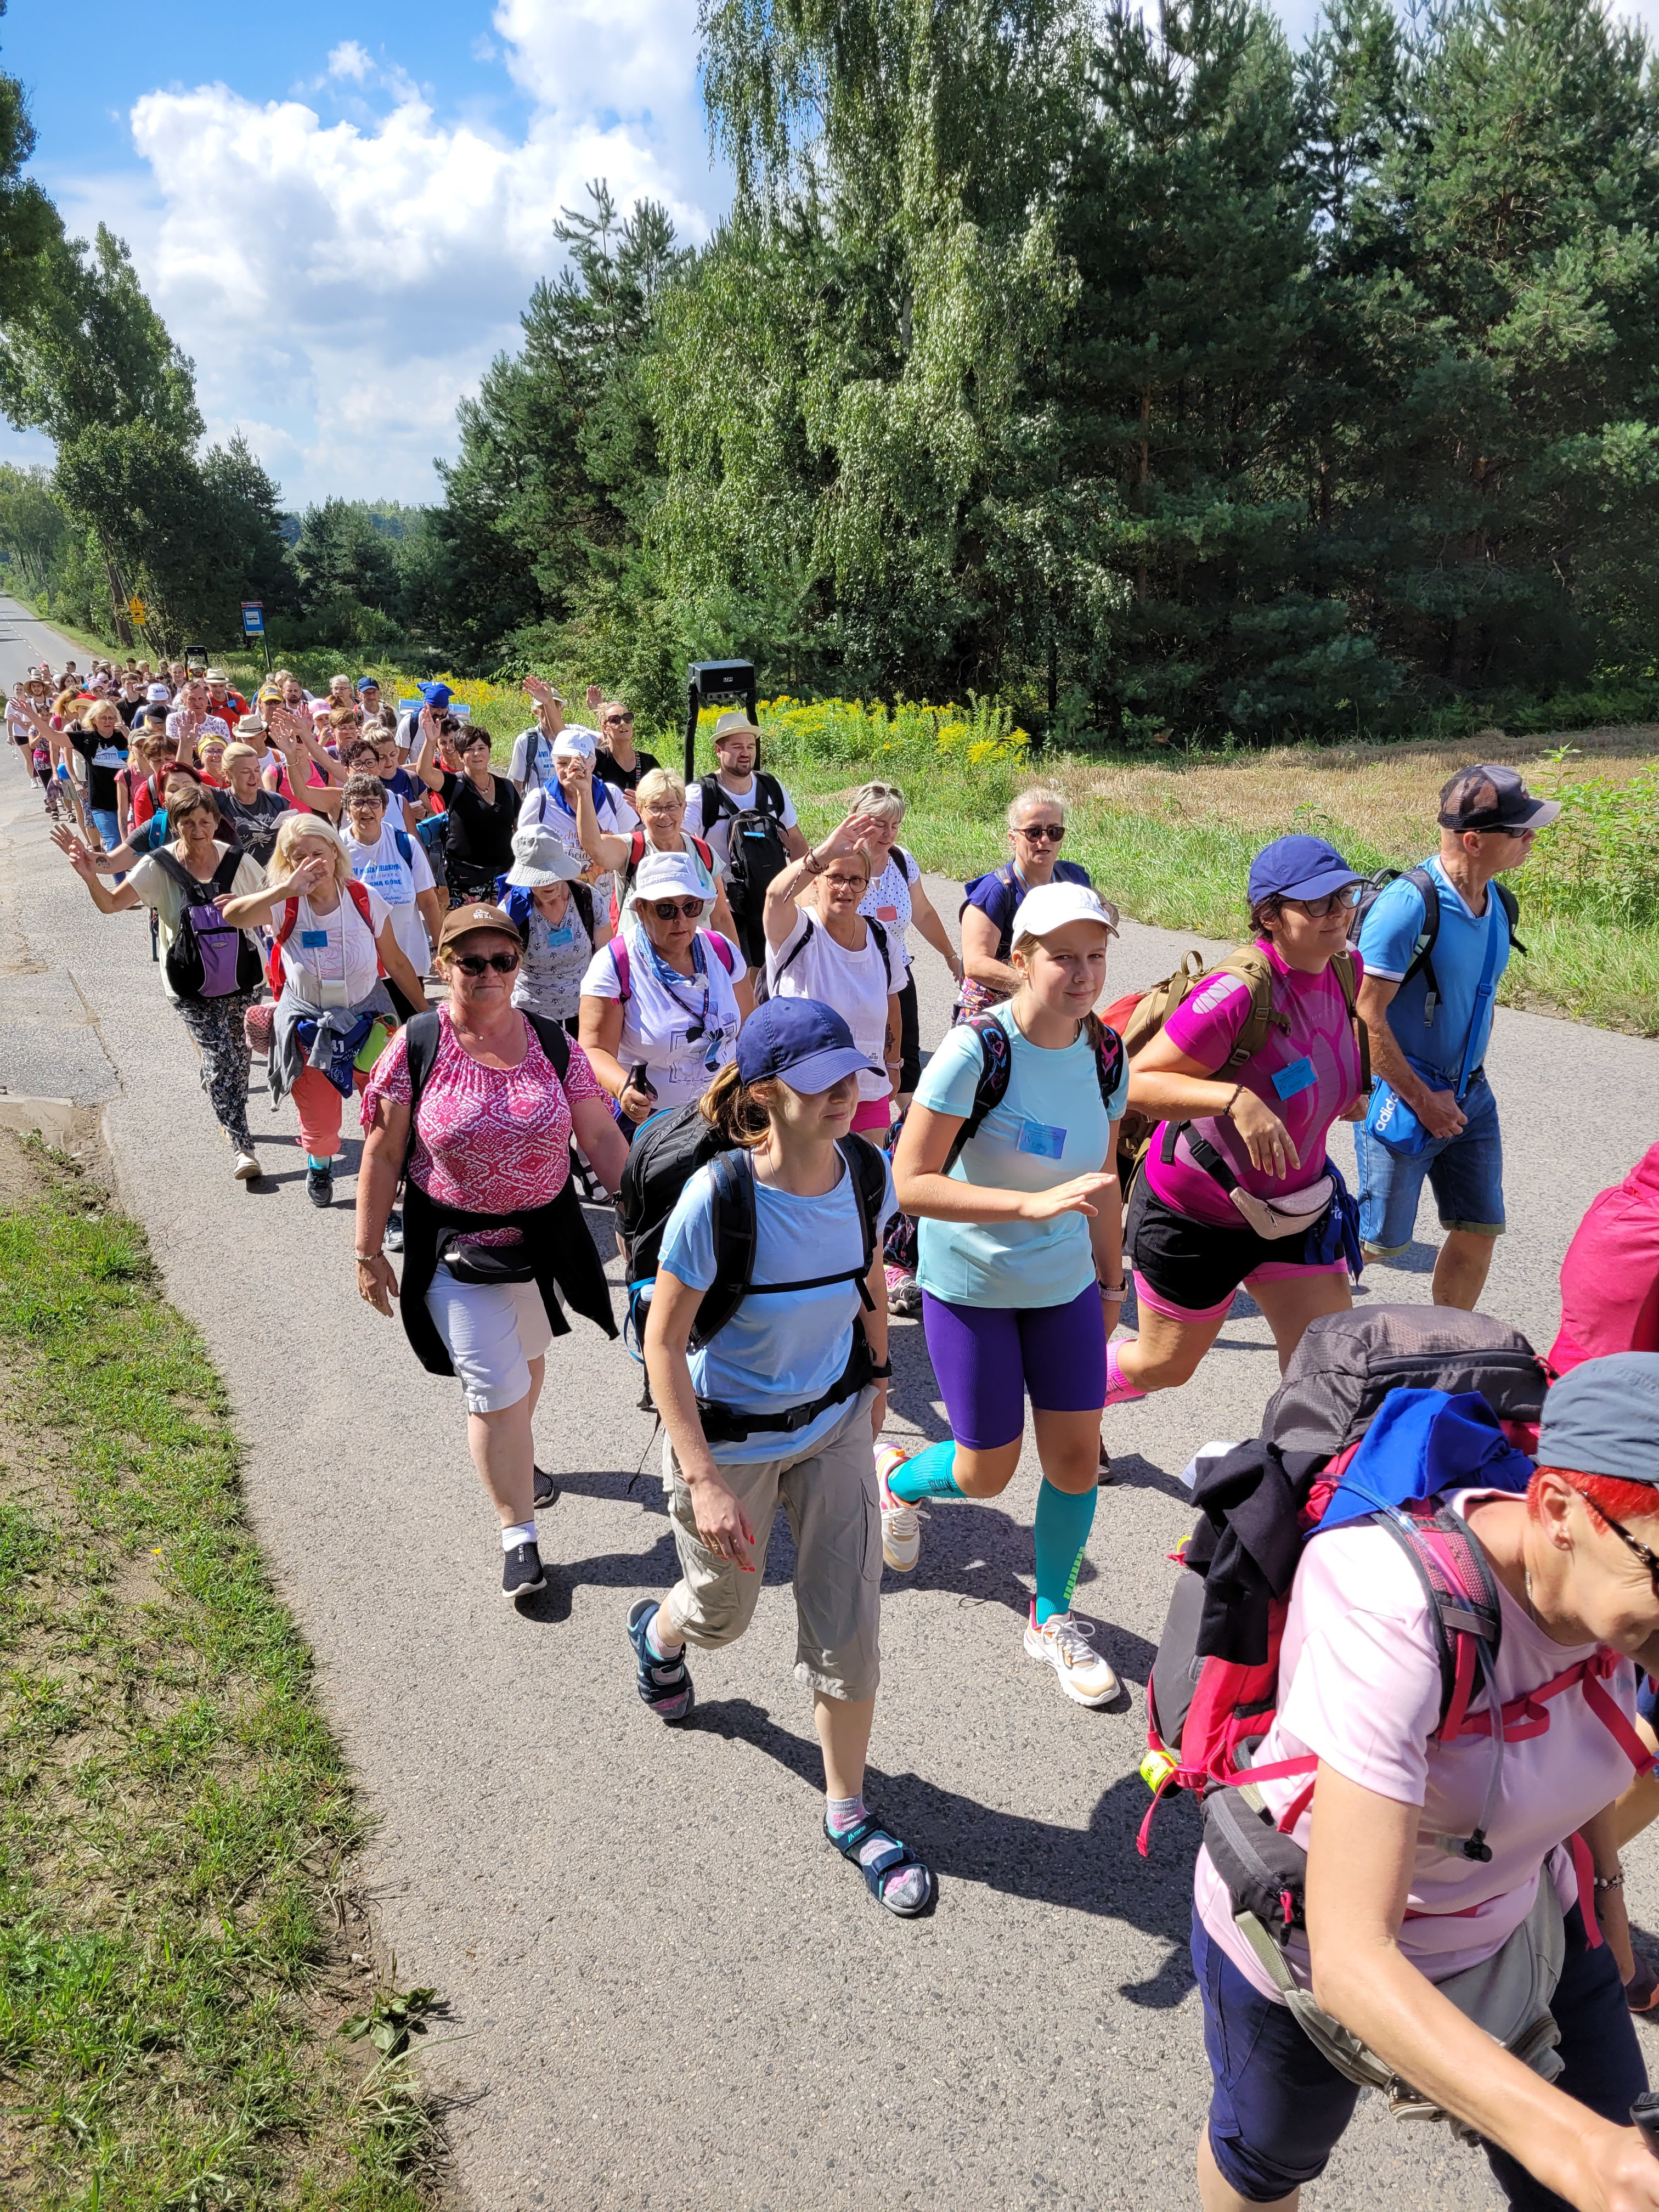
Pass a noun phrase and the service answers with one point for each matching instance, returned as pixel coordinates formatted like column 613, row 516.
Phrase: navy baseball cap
column 373, row 684
column 1298, row 867
column 435, row 695
column 1602, row 1418
column 801, row 1040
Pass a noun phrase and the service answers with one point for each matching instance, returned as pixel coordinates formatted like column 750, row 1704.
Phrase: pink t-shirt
column 1610, row 1277
column 1316, row 1062
column 1359, row 1687
column 492, row 1139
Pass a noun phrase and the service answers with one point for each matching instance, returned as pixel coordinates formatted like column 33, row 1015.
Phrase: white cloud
column 340, row 283
column 349, row 59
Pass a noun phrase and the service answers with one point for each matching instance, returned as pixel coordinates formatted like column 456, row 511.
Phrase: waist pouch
column 729, row 1424
column 1508, row 1995
column 1291, row 1215
column 485, row 1264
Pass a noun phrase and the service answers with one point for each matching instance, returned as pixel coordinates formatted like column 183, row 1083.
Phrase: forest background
column 1150, row 387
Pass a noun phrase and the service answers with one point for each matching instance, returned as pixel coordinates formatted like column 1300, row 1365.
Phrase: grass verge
column 179, row 1942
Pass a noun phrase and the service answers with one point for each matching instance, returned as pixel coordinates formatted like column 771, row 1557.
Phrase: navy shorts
column 1464, row 1173
column 987, row 1357
column 1278, row 2107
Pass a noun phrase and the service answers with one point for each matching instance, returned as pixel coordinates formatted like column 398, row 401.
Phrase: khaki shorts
column 830, row 1495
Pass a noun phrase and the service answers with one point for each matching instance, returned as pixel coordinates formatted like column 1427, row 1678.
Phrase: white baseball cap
column 576, row 743
column 1050, row 907
column 671, row 876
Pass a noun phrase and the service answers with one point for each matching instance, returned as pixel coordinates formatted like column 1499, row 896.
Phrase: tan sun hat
column 734, row 725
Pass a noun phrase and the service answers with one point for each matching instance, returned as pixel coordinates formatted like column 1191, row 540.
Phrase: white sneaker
column 1064, row 1641
column 901, row 1524
column 246, row 1169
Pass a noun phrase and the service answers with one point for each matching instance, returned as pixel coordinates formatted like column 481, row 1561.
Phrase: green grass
column 176, row 1823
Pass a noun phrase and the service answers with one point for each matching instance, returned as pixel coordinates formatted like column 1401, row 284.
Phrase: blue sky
column 341, row 210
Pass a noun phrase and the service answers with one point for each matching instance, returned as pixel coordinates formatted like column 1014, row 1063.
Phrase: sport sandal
column 879, row 1869
column 664, row 1683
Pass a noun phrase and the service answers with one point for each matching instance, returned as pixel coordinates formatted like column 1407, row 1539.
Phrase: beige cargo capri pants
column 830, row 1494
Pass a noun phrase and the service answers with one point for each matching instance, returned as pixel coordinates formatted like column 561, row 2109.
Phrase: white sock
column 656, row 1649
column 523, row 1534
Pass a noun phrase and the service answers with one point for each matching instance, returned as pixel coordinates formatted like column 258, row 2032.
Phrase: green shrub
column 1601, row 859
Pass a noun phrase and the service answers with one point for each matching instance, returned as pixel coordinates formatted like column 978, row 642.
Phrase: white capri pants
column 491, row 1331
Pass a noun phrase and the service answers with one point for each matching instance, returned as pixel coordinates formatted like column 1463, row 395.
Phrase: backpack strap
column 1422, row 957
column 623, row 966
column 705, row 852
column 1511, row 907
column 582, row 894
column 718, row 946
column 733, row 1232
column 1252, row 967
column 996, row 1064
column 554, row 1039
column 358, row 893
column 422, row 1034
column 1342, row 968
column 881, row 935
column 405, row 848
column 631, row 864
column 792, row 954
column 770, row 790
column 867, row 1164
column 716, row 805
column 1108, row 1059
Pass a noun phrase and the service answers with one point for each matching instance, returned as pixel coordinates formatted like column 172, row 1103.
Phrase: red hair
column 1608, row 1494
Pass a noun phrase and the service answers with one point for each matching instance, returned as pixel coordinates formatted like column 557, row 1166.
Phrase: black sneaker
column 394, row 1231
column 320, row 1186
column 521, row 1572
column 543, row 1489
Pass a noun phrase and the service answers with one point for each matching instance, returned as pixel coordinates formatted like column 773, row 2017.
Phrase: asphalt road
column 666, row 1990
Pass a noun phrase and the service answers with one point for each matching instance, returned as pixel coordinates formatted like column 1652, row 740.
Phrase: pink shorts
column 873, row 1114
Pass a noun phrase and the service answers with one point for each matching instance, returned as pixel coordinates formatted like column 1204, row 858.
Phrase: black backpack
column 200, row 962
column 664, row 1156
column 765, row 987
column 1423, row 952
column 996, row 1063
column 758, row 852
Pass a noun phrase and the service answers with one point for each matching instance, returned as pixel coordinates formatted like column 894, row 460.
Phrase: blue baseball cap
column 370, row 683
column 1602, row 1418
column 801, row 1040
column 435, row 695
column 1298, row 867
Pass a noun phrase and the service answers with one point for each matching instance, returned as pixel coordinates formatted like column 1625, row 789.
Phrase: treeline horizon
column 1160, row 377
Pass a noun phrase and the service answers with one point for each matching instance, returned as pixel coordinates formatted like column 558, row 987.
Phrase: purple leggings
column 988, row 1358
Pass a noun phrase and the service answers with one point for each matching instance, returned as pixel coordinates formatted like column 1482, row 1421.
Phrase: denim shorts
column 1278, row 2106
column 1465, row 1172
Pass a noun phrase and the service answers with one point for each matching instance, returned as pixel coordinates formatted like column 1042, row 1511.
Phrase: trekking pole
column 1644, row 2115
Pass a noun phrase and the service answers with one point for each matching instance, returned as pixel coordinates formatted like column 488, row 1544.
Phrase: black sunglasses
column 666, row 909
column 474, row 964
column 619, row 718
column 1039, row 831
column 1649, row 1560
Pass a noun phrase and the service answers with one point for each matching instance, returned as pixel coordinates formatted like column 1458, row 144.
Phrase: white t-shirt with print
column 855, row 983
column 383, row 868
column 656, row 1019
column 718, row 834
column 331, row 959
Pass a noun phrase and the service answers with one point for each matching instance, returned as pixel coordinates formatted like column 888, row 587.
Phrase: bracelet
column 809, row 858
column 1227, row 1110
column 1112, row 1296
column 1608, row 1881
column 364, row 1258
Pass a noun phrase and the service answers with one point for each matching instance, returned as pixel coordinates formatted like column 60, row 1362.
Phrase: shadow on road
column 1094, row 1869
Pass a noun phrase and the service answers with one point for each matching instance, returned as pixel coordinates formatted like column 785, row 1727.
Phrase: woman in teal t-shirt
column 1020, row 1262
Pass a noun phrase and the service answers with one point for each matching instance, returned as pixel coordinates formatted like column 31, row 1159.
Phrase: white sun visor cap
column 576, row 743
column 670, row 876
column 1050, row 907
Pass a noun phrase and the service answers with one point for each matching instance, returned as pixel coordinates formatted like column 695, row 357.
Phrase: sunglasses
column 475, row 963
column 666, row 909
column 1317, row 910
column 1649, row 1560
column 1040, row 833
column 619, row 718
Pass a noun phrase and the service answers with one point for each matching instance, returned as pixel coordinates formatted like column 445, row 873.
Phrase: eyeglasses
column 666, row 909
column 846, row 883
column 1317, row 910
column 1040, row 833
column 474, row 964
column 619, row 718
column 1649, row 1560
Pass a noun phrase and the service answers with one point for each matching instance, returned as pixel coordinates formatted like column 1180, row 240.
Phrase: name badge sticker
column 886, row 914
column 313, row 939
column 1047, row 1143
column 564, row 934
column 1298, row 1077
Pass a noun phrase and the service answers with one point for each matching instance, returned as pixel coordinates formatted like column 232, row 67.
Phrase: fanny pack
column 1291, row 1215
column 486, row 1264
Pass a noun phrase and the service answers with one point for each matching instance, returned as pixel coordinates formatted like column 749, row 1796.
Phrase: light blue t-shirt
column 1050, row 1128
column 1387, row 938
column 783, row 1350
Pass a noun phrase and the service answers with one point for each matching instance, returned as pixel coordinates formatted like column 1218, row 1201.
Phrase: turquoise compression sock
column 1064, row 1518
column 927, row 1475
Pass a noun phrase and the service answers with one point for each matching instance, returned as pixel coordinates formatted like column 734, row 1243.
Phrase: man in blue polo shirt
column 1428, row 1007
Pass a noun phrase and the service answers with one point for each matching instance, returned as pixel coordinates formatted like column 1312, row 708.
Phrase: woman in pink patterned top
column 474, row 1105
column 1235, row 1187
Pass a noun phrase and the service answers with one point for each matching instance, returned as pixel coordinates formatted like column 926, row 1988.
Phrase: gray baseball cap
column 1602, row 1418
